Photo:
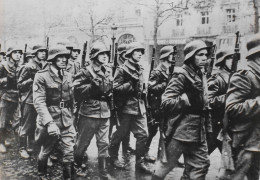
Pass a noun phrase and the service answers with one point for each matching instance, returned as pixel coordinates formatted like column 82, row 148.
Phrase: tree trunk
column 256, row 15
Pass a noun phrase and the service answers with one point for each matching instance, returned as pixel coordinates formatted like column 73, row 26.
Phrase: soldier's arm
column 25, row 80
column 82, row 83
column 3, row 79
column 216, row 99
column 119, row 84
column 173, row 99
column 238, row 105
column 158, row 87
column 39, row 99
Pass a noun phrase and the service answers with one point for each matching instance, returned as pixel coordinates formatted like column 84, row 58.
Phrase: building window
column 231, row 15
column 179, row 20
column 138, row 12
column 205, row 17
column 126, row 39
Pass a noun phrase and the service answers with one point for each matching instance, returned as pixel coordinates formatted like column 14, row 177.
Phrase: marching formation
column 57, row 101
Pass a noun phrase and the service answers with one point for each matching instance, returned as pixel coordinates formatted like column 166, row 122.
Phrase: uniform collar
column 163, row 70
column 191, row 71
column 54, row 73
column 132, row 65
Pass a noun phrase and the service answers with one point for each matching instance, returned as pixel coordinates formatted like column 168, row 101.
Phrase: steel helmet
column 65, row 43
column 39, row 47
column 58, row 50
column 12, row 49
column 121, row 48
column 98, row 48
column 2, row 53
column 133, row 46
column 222, row 54
column 253, row 45
column 192, row 47
column 76, row 47
column 166, row 51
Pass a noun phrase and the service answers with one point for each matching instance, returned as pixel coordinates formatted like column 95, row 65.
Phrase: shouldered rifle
column 211, row 63
column 150, row 118
column 115, row 64
column 24, row 54
column 47, row 43
column 227, row 161
column 163, row 139
column 84, row 52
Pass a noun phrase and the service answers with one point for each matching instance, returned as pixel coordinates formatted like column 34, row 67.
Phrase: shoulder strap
column 91, row 72
column 126, row 70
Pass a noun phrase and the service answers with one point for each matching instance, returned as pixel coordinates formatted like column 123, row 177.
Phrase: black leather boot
column 67, row 171
column 42, row 168
column 102, row 168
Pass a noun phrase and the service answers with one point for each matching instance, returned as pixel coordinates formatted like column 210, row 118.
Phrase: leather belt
column 61, row 104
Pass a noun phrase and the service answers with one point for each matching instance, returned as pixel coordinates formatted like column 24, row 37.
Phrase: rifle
column 84, row 52
column 150, row 118
column 47, row 43
column 163, row 139
column 227, row 161
column 24, row 54
column 115, row 64
column 212, row 57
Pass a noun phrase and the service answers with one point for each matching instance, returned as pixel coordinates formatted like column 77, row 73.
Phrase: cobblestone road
column 14, row 168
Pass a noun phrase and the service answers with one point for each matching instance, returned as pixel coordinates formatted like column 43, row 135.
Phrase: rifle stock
column 212, row 57
column 24, row 54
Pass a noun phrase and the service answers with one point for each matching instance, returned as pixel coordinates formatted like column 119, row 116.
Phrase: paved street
column 14, row 168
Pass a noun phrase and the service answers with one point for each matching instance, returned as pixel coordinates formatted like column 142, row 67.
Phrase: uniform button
column 218, row 122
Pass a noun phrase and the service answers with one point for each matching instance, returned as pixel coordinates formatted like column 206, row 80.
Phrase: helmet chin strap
column 226, row 68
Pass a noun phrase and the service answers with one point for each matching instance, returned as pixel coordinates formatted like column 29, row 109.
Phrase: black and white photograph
column 129, row 90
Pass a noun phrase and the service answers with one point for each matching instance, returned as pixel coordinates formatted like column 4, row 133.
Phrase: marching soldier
column 126, row 148
column 73, row 64
column 217, row 87
column 94, row 84
column 53, row 100
column 243, row 108
column 183, row 99
column 29, row 114
column 10, row 98
column 156, row 87
column 128, row 83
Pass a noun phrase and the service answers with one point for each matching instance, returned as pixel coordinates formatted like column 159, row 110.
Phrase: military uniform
column 73, row 67
column 160, row 76
column 128, row 84
column 94, row 112
column 25, row 81
column 10, row 98
column 242, row 107
column 53, row 100
column 186, row 126
column 217, row 88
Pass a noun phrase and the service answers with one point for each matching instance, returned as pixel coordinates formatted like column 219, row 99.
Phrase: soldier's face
column 61, row 61
column 201, row 58
column 16, row 55
column 102, row 58
column 137, row 55
column 74, row 54
column 228, row 61
column 41, row 55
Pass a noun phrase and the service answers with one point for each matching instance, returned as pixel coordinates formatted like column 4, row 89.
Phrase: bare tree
column 90, row 22
column 256, row 16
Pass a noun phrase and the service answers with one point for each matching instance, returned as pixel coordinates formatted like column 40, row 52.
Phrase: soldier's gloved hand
column 53, row 129
column 197, row 86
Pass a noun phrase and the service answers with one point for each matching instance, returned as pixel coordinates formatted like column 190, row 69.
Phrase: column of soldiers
column 50, row 82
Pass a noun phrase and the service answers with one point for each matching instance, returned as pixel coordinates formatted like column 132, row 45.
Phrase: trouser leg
column 152, row 131
column 174, row 150
column 86, row 131
column 102, row 138
column 119, row 134
column 197, row 160
column 246, row 164
column 140, row 131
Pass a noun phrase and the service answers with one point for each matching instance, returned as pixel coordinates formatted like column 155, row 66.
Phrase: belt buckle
column 62, row 104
